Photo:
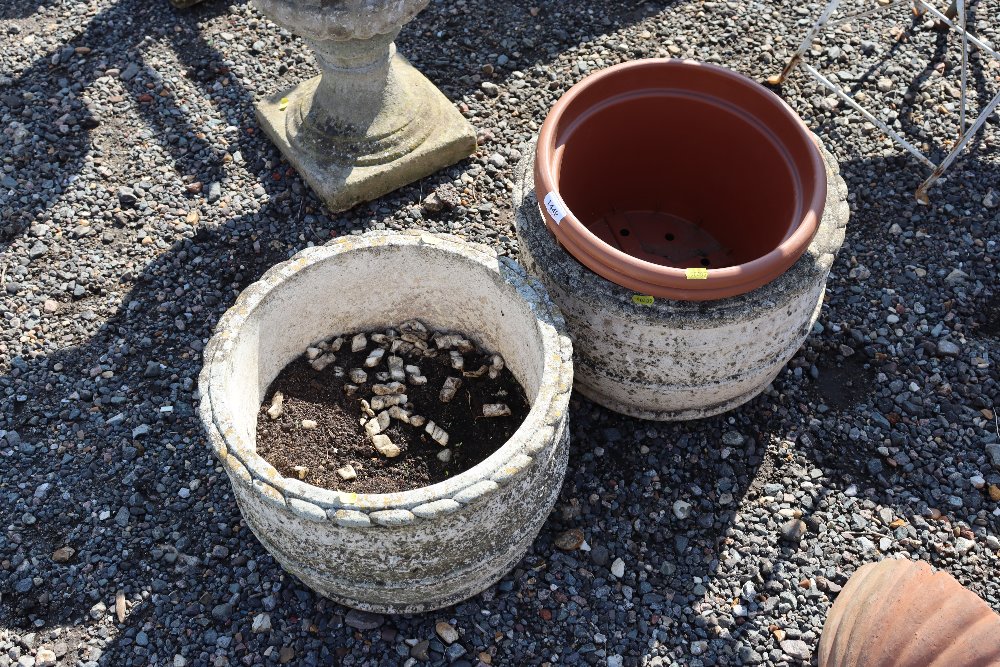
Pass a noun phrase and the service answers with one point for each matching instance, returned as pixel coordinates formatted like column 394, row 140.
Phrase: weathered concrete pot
column 673, row 360
column 370, row 123
column 900, row 613
column 421, row 549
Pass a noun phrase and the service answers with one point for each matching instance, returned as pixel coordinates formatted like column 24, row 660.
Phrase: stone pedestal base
column 342, row 179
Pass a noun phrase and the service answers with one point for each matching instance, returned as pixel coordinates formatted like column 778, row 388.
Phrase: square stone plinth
column 342, row 186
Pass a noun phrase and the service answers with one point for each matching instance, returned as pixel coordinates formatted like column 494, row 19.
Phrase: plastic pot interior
column 656, row 167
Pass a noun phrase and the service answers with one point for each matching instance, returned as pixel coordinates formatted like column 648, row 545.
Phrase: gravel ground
column 138, row 197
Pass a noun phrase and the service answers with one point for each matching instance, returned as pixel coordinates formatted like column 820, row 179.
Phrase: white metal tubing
column 857, row 107
column 806, row 43
column 860, row 15
column 960, row 146
column 965, row 64
column 983, row 46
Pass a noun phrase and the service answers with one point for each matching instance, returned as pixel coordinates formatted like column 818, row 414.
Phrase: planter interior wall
column 419, row 549
column 656, row 166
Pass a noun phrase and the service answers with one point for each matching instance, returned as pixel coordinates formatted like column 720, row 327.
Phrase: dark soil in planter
column 339, row 440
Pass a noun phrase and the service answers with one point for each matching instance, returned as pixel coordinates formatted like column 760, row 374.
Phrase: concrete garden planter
column 900, row 613
column 370, row 123
column 421, row 549
column 679, row 179
column 664, row 359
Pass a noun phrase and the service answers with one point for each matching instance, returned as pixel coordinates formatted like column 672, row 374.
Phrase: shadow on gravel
column 60, row 138
column 863, row 423
column 105, row 500
column 62, row 153
column 136, row 413
column 20, row 9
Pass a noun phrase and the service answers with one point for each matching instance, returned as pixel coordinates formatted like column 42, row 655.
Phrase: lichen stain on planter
column 900, row 613
column 674, row 360
column 421, row 549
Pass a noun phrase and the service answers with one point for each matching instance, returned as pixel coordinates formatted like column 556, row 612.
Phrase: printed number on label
column 697, row 274
column 555, row 207
column 641, row 300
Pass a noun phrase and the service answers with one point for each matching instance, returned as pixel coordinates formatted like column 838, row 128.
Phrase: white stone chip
column 496, row 410
column 301, row 471
column 414, row 328
column 389, row 389
column 401, row 347
column 385, row 446
column 347, row 473
column 496, row 366
column 439, row 435
column 374, row 358
column 277, row 405
column 309, row 424
column 444, row 455
column 375, row 426
column 400, row 414
column 417, row 420
column 313, row 353
column 396, row 369
column 324, row 361
column 450, row 388
column 335, row 345
column 457, row 360
column 359, row 342
column 358, row 376
column 383, row 402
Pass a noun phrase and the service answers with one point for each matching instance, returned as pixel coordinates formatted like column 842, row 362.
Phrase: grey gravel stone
column 361, row 620
column 793, row 530
column 948, row 348
column 796, row 649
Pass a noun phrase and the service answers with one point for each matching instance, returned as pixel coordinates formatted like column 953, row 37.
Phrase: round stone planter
column 670, row 360
column 421, row 549
column 900, row 613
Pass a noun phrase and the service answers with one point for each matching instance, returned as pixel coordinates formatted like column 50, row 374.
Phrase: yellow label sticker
column 641, row 300
column 697, row 273
column 283, row 104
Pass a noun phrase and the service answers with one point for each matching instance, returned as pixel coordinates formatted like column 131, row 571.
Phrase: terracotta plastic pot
column 679, row 179
column 900, row 613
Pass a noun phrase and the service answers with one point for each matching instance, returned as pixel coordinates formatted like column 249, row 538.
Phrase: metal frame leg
column 779, row 79
column 959, row 147
column 956, row 11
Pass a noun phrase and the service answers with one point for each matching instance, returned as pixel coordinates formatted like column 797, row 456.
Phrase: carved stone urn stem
column 370, row 123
